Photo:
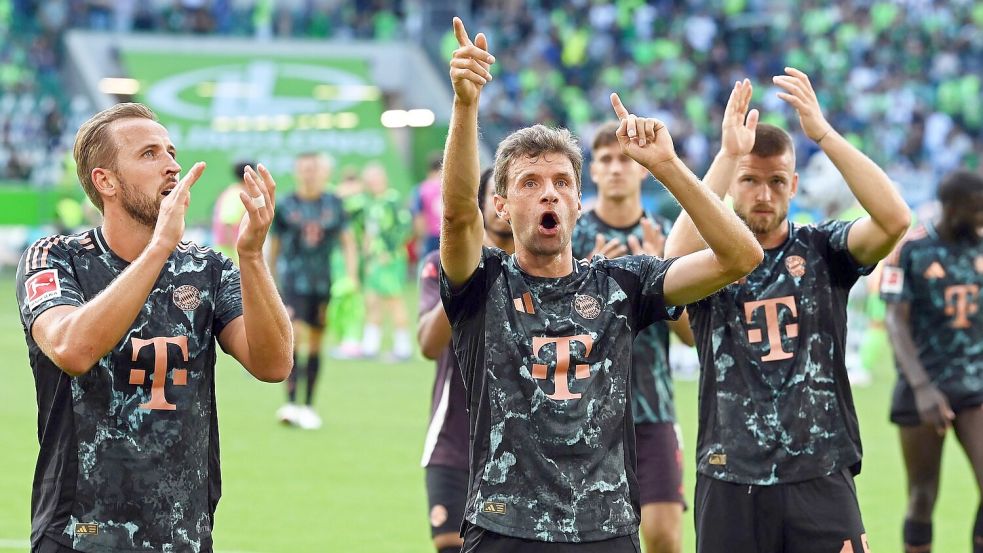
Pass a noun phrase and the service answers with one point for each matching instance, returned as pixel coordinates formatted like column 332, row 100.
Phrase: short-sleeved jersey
column 775, row 401
column 308, row 231
column 446, row 444
column 546, row 365
column 129, row 450
column 941, row 281
column 651, row 379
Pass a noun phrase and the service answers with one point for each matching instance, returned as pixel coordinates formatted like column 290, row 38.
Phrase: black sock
column 313, row 368
column 292, row 383
column 978, row 531
column 917, row 536
column 453, row 549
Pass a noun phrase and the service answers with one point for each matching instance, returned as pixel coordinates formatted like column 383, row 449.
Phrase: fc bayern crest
column 586, row 306
column 796, row 265
column 187, row 297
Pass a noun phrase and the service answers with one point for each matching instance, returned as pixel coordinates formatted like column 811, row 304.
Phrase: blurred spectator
column 428, row 209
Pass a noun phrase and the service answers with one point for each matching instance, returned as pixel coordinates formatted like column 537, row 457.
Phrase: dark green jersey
column 651, row 379
column 308, row 231
column 775, row 400
column 129, row 456
column 545, row 364
column 941, row 282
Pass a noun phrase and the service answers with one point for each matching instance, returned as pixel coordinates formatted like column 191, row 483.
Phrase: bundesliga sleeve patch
column 42, row 287
column 892, row 280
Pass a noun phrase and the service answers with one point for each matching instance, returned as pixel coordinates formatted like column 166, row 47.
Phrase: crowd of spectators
column 901, row 78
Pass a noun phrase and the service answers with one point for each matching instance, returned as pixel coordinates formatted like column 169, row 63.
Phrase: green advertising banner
column 224, row 108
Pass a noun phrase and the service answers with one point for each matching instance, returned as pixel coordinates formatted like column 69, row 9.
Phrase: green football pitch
column 356, row 484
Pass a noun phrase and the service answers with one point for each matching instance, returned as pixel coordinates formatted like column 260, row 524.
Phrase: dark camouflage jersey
column 545, row 364
column 447, row 440
column 775, row 402
column 941, row 281
column 651, row 379
column 129, row 450
column 308, row 231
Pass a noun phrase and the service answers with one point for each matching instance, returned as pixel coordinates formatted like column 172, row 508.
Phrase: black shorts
column 904, row 412
column 660, row 463
column 814, row 516
column 480, row 540
column 307, row 308
column 447, row 493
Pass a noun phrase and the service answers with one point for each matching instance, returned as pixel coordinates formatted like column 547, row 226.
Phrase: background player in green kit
column 308, row 225
column 544, row 340
column 618, row 225
column 778, row 440
column 388, row 225
column 121, row 323
column 935, row 320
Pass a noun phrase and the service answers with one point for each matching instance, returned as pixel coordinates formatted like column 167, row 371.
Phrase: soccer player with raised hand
column 121, row 323
column 935, row 320
column 543, row 340
column 778, row 441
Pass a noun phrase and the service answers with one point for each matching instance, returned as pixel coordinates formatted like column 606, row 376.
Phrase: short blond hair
column 96, row 147
column 533, row 142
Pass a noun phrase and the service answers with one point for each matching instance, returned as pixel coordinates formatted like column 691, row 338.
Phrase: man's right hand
column 469, row 64
column 170, row 219
column 933, row 407
column 738, row 126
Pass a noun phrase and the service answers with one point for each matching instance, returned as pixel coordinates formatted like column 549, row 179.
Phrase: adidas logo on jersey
column 494, row 508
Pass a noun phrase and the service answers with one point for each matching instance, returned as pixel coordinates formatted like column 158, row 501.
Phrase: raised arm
column 872, row 237
column 736, row 140
column 461, row 229
column 733, row 251
column 261, row 339
column 76, row 338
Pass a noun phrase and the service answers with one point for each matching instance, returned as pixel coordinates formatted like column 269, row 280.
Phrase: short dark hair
column 239, row 168
column 605, row 135
column 770, row 141
column 436, row 161
column 959, row 184
column 535, row 141
column 483, row 180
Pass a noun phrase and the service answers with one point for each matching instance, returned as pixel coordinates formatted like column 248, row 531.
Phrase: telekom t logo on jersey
column 179, row 377
column 770, row 306
column 561, row 390
column 960, row 303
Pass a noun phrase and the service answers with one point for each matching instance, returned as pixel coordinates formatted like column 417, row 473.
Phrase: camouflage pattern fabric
column 308, row 231
column 651, row 378
column 129, row 450
column 545, row 364
column 775, row 401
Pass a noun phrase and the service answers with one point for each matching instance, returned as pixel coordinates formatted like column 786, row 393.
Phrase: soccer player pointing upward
column 544, row 341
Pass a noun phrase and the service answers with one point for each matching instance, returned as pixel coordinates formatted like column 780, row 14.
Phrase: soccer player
column 445, row 451
column 544, row 340
column 778, row 442
column 307, row 226
column 388, row 225
column 935, row 321
column 121, row 323
column 618, row 225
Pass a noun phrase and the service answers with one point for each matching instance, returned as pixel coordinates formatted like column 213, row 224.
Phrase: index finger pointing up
column 461, row 33
column 619, row 108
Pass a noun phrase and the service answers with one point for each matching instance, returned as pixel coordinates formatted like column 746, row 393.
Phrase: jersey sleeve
column 470, row 297
column 228, row 298
column 843, row 265
column 45, row 279
column 897, row 276
column 279, row 224
column 643, row 278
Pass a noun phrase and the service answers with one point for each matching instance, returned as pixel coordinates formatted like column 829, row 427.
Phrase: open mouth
column 167, row 190
column 548, row 221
